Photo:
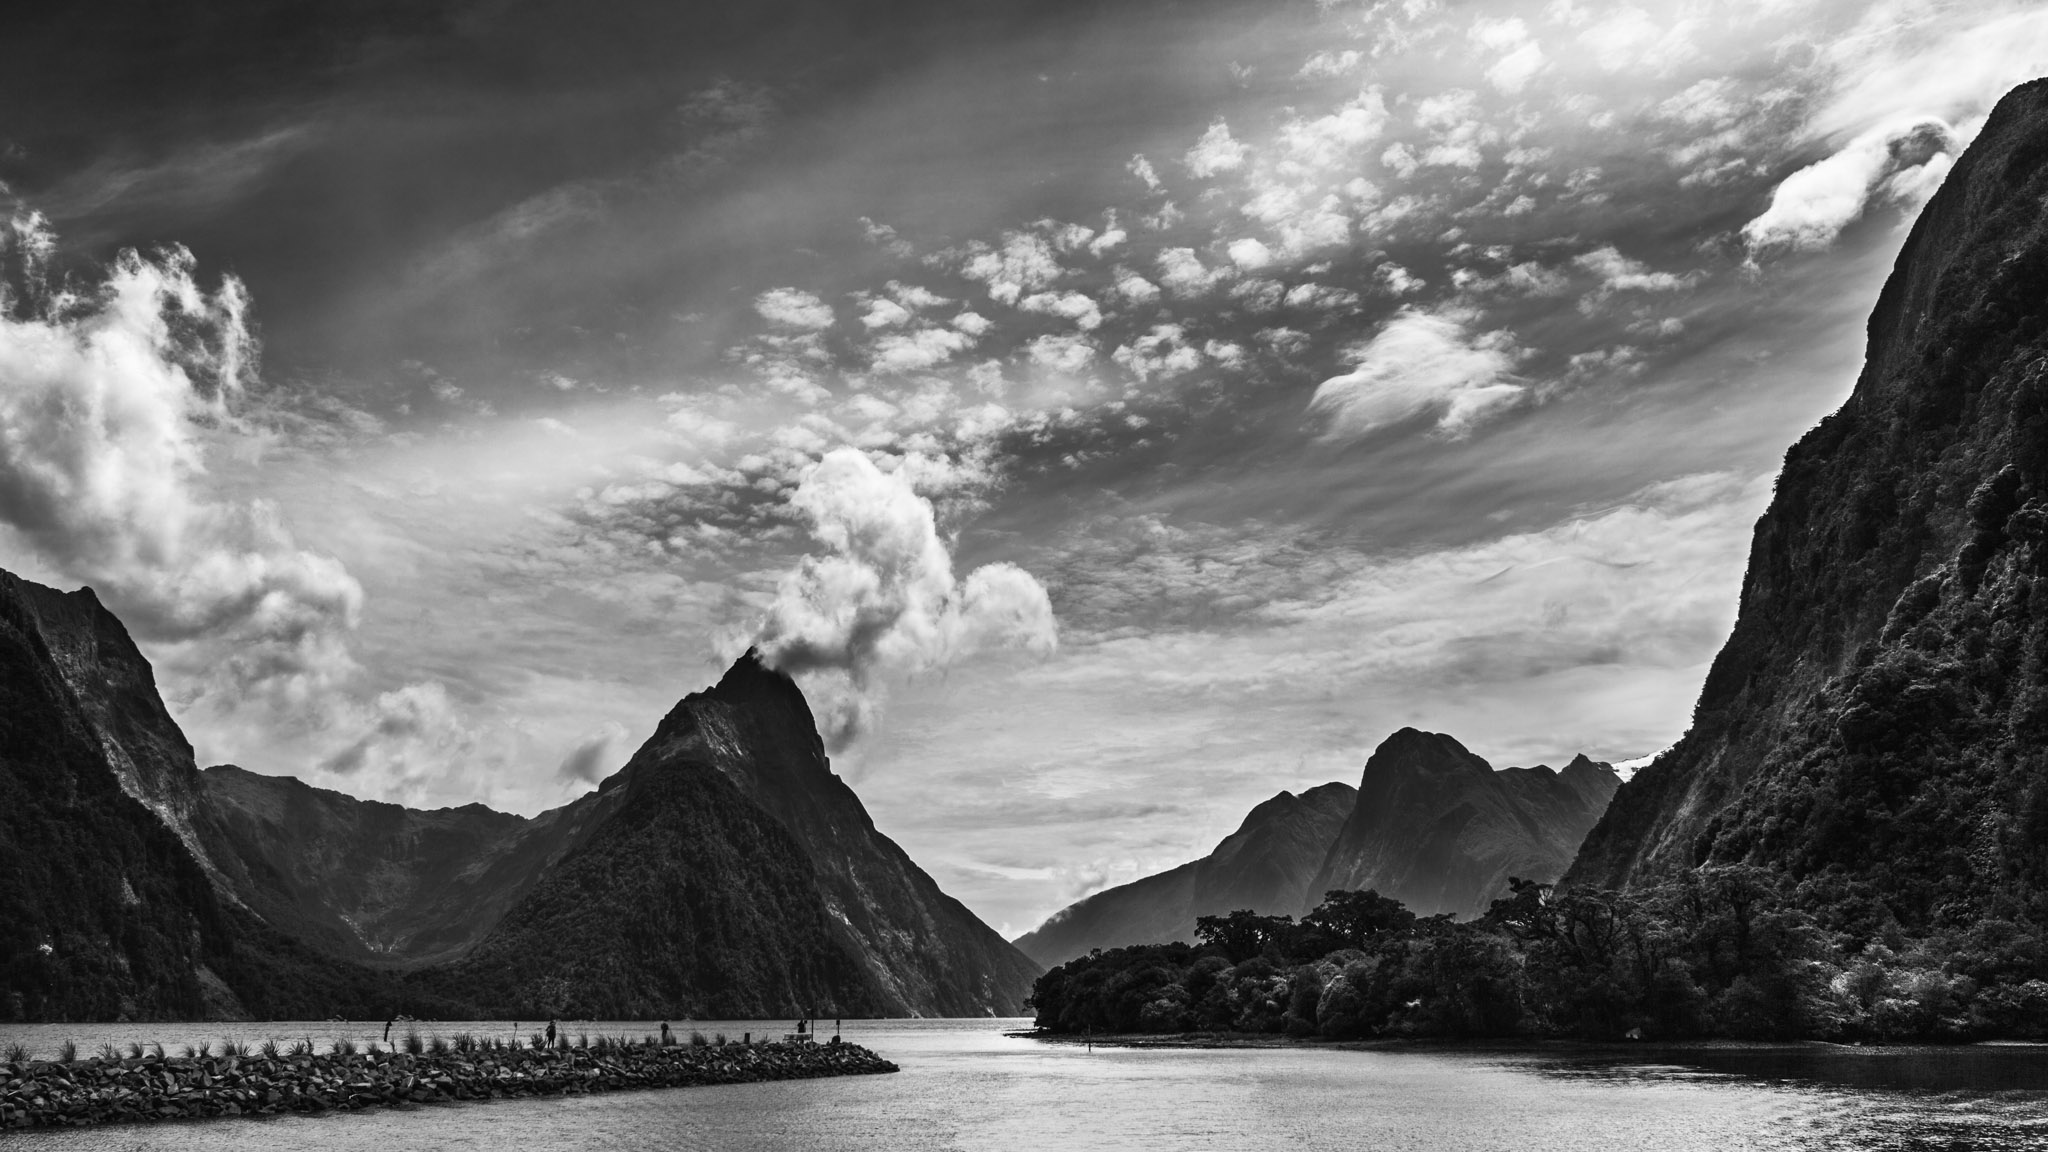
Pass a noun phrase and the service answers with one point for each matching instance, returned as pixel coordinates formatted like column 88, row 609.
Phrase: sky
column 1113, row 413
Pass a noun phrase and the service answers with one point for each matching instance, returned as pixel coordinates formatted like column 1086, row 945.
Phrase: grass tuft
column 17, row 1054
column 697, row 1040
column 345, row 1047
column 438, row 1047
column 231, row 1048
column 537, row 1041
column 302, row 1047
column 412, row 1042
column 67, row 1052
column 134, row 1050
column 372, row 1049
column 156, row 1049
column 719, row 1039
column 109, row 1053
column 271, row 1050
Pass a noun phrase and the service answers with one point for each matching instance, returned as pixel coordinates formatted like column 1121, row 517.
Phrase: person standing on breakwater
column 551, row 1033
column 387, row 1028
column 664, row 1033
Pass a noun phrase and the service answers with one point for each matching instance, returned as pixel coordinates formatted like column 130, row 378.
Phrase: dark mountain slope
column 1438, row 829
column 1265, row 865
column 1877, row 725
column 105, row 911
column 734, row 874
column 375, row 882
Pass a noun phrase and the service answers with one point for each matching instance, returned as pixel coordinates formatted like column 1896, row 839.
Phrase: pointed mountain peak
column 1410, row 750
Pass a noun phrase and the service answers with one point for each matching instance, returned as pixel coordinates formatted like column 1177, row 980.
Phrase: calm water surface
column 966, row 1086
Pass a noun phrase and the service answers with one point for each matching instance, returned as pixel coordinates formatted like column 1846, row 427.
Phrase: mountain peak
column 1410, row 751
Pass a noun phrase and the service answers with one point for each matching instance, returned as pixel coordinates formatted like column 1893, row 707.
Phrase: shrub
column 697, row 1040
column 438, row 1046
column 537, row 1041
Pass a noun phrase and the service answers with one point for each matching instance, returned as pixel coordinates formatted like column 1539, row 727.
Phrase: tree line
column 1731, row 951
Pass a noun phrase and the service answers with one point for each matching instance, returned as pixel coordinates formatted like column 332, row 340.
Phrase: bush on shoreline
column 1728, row 951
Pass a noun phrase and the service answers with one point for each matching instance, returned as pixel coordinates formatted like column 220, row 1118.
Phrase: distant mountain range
column 1430, row 824
column 1264, row 865
column 725, row 871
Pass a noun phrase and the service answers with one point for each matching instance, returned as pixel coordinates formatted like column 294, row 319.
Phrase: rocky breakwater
column 106, row 1090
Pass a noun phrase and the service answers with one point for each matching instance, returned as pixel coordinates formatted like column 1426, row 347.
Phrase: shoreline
column 97, row 1090
column 1268, row 1040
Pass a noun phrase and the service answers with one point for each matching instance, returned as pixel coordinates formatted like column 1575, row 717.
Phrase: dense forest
column 1728, row 951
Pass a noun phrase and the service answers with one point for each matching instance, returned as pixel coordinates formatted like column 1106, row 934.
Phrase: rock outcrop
column 1438, row 829
column 1876, row 728
column 1266, row 866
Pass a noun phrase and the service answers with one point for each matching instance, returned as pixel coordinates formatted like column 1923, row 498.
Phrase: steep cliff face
column 1438, row 829
column 106, row 912
column 1876, row 725
column 1265, row 865
column 378, row 883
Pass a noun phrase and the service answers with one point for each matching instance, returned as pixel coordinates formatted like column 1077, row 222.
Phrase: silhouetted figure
column 664, row 1033
column 387, row 1028
column 551, row 1033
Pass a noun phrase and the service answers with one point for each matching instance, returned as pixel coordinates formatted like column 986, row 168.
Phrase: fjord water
column 967, row 1086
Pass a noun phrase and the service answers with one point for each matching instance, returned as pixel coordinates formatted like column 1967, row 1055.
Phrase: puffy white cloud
column 1075, row 306
column 105, row 408
column 1025, row 263
column 793, row 308
column 1066, row 353
column 1161, row 352
column 883, row 599
column 1183, row 273
column 1249, row 254
column 884, row 314
column 1812, row 206
column 918, row 349
column 1135, row 289
column 1618, row 273
column 973, row 323
column 1216, row 152
column 1420, row 362
column 1143, row 170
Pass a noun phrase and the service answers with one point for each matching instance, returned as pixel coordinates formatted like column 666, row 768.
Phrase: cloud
column 1812, row 206
column 1216, row 152
column 1075, row 306
column 919, row 349
column 1618, row 273
column 106, row 405
column 793, row 308
column 1183, row 274
column 593, row 758
column 1025, row 263
column 883, row 599
column 1420, row 362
